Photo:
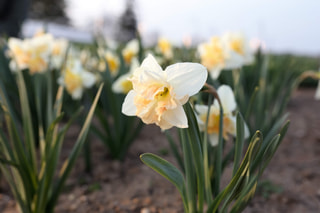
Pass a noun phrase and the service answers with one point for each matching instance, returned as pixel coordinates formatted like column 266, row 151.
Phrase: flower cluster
column 229, row 51
column 35, row 53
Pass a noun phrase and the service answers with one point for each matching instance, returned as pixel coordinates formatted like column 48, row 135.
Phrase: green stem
column 218, row 152
column 190, row 180
column 206, row 168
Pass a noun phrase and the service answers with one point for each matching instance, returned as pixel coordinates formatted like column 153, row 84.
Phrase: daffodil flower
column 216, row 56
column 165, row 48
column 113, row 62
column 230, row 51
column 123, row 83
column 19, row 54
column 238, row 44
column 58, row 52
column 40, row 51
column 158, row 96
column 130, row 51
column 229, row 120
column 76, row 79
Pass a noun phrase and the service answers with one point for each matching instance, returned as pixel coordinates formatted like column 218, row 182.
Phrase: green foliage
column 194, row 183
column 31, row 178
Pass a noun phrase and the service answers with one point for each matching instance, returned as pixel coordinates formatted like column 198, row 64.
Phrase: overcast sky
column 284, row 25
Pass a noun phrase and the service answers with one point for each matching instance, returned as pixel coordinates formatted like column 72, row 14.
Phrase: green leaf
column 68, row 164
column 167, row 170
column 238, row 143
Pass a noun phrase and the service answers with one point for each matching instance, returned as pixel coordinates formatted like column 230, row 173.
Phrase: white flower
column 123, row 83
column 158, row 96
column 75, row 79
column 165, row 48
column 231, row 51
column 113, row 62
column 213, row 55
column 130, row 51
column 18, row 52
column 241, row 53
column 59, row 50
column 229, row 120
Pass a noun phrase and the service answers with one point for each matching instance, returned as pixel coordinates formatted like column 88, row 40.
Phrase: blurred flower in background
column 164, row 47
column 75, row 78
column 123, row 84
column 38, row 54
column 130, row 51
column 229, row 106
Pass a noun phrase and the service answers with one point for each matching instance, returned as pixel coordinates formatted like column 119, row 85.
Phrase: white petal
column 213, row 139
column 128, row 107
column 88, row 79
column 201, row 109
column 186, row 78
column 150, row 63
column 227, row 99
column 77, row 94
column 117, row 85
column 176, row 117
column 234, row 60
column 215, row 72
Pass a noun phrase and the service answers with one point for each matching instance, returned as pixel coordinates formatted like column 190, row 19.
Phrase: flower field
column 123, row 127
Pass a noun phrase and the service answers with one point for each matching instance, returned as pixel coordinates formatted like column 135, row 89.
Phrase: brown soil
column 132, row 187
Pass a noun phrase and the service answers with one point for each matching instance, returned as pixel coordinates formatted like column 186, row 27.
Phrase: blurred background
column 287, row 26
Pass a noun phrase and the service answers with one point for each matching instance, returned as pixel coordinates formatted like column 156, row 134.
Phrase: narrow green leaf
column 166, row 169
column 238, row 143
column 68, row 164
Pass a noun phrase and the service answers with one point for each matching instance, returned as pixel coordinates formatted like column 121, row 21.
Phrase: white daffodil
column 33, row 53
column 158, row 96
column 58, row 53
column 165, row 48
column 75, row 79
column 229, row 120
column 123, row 84
column 17, row 50
column 113, row 62
column 215, row 56
column 238, row 44
column 130, row 51
column 40, row 49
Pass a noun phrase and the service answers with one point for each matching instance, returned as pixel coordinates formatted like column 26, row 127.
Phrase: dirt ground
column 292, row 179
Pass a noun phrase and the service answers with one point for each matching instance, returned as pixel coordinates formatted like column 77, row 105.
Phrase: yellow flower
column 75, row 78
column 229, row 120
column 165, row 48
column 130, row 51
column 158, row 96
